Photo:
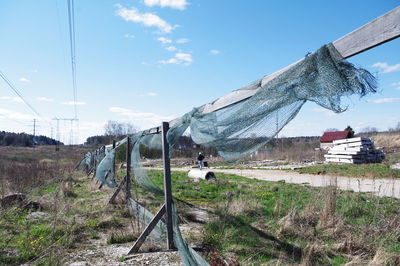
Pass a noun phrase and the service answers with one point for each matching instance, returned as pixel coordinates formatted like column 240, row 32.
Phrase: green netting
column 105, row 170
column 240, row 129
column 144, row 216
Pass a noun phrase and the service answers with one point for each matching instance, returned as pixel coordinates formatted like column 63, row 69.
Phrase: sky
column 147, row 61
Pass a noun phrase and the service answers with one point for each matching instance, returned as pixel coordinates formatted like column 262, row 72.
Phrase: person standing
column 200, row 158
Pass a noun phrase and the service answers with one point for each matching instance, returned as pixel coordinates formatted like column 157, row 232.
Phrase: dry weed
column 327, row 218
column 315, row 255
column 243, row 206
column 67, row 189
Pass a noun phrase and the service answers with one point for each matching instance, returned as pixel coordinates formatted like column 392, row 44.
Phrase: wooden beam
column 381, row 30
column 117, row 191
column 167, row 185
column 147, row 231
column 128, row 169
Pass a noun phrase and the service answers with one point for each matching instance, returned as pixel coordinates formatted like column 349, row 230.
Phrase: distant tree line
column 25, row 140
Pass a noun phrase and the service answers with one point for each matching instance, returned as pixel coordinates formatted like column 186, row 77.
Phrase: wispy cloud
column 152, row 94
column 176, row 4
column 164, row 40
column 72, row 103
column 171, row 48
column 140, row 119
column 129, row 36
column 179, row 59
column 147, row 19
column 324, row 111
column 396, row 85
column 13, row 115
column 215, row 51
column 385, row 100
column 12, row 99
column 44, row 99
column 24, row 79
column 35, row 71
column 386, row 68
column 182, row 40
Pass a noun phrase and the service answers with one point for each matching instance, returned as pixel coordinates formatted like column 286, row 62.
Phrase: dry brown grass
column 244, row 206
column 22, row 169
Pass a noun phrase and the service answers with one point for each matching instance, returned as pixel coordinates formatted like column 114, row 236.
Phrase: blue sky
column 145, row 61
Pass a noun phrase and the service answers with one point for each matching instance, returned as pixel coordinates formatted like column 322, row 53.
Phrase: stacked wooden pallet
column 354, row 150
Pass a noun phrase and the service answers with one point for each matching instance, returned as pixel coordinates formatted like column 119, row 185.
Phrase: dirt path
column 380, row 187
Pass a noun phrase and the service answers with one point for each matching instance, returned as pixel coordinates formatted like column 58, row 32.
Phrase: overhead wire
column 71, row 21
column 6, row 80
column 16, row 91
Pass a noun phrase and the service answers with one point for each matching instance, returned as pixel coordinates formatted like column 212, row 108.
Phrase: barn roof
column 330, row 136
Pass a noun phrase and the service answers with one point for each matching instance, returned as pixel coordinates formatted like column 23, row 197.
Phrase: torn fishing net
column 241, row 128
column 187, row 254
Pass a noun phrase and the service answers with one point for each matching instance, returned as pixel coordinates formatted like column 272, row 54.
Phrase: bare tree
column 331, row 130
column 369, row 130
column 115, row 128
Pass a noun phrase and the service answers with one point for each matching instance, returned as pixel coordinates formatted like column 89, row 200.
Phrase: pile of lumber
column 354, row 150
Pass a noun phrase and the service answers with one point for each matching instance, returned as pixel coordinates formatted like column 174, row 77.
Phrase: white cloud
column 324, row 111
column 12, row 99
column 129, row 36
column 177, row 4
column 385, row 100
column 396, row 85
column 152, row 94
column 171, row 48
column 147, row 19
column 386, row 68
column 72, row 103
column 164, row 40
column 182, row 40
column 44, row 99
column 142, row 120
column 15, row 115
column 24, row 79
column 35, row 71
column 215, row 51
column 179, row 58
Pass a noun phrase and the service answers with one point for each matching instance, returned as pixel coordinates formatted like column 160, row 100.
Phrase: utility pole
column 34, row 132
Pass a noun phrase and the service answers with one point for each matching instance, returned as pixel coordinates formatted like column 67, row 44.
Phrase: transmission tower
column 71, row 136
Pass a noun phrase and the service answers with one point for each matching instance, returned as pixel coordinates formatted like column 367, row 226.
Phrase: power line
column 9, row 83
column 18, row 93
column 71, row 20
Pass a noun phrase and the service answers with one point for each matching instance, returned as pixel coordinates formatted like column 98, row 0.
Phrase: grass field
column 376, row 170
column 251, row 221
column 261, row 221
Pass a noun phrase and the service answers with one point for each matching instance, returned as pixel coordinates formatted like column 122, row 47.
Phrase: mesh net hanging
column 241, row 128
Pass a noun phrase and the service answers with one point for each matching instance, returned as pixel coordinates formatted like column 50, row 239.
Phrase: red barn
column 328, row 137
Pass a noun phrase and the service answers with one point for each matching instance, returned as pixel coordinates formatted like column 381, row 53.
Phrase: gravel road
column 380, row 187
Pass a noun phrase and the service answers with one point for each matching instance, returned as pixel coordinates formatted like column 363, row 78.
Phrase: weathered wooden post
column 167, row 185
column 128, row 169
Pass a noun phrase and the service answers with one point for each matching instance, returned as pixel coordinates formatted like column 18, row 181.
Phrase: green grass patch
column 376, row 170
column 116, row 238
column 248, row 214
